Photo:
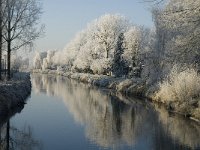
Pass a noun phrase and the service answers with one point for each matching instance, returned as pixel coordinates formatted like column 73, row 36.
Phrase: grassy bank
column 180, row 92
column 13, row 93
column 128, row 86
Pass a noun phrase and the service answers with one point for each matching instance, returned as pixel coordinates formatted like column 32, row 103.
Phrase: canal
column 63, row 114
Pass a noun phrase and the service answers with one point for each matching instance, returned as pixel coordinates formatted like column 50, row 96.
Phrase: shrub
column 180, row 86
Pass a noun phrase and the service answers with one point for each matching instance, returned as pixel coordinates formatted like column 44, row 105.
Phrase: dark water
column 62, row 114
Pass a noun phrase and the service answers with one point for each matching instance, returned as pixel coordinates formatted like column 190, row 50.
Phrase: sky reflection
column 66, row 114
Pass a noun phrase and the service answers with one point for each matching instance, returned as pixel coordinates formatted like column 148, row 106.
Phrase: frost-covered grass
column 181, row 92
column 132, row 86
column 14, row 92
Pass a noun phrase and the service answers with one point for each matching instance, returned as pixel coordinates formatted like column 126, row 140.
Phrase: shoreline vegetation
column 14, row 92
column 161, row 63
column 130, row 87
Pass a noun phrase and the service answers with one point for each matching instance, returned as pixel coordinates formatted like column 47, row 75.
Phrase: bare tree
column 21, row 25
column 0, row 36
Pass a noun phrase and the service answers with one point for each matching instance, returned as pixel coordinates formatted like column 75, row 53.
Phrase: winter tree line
column 112, row 44
column 19, row 27
column 166, row 57
column 109, row 44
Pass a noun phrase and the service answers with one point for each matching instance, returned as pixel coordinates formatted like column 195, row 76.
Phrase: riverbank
column 130, row 87
column 13, row 93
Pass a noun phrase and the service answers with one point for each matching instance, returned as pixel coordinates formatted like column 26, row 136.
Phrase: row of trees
column 18, row 27
column 109, row 44
column 177, row 35
column 112, row 44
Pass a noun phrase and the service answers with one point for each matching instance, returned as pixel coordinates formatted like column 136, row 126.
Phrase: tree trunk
column 0, row 54
column 8, row 61
column 0, row 38
column 107, row 52
column 9, row 42
column 8, row 135
column 0, row 136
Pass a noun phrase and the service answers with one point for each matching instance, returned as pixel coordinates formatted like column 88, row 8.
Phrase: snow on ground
column 14, row 92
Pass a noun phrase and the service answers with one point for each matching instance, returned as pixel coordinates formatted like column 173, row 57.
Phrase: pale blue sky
column 64, row 18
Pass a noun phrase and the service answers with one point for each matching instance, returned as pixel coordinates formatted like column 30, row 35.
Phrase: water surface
column 63, row 114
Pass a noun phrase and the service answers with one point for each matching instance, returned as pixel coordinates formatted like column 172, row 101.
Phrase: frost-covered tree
column 108, row 44
column 119, row 65
column 84, row 59
column 139, row 44
column 148, row 55
column 102, row 42
column 72, row 49
column 107, row 29
column 47, row 62
column 132, row 39
column 181, row 20
column 160, row 49
column 38, row 59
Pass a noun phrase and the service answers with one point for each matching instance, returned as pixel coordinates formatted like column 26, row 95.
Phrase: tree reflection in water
column 179, row 128
column 12, row 138
column 111, row 121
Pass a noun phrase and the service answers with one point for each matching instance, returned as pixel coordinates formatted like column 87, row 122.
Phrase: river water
column 63, row 114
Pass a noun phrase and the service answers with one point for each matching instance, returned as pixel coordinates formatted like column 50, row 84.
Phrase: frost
column 109, row 45
column 38, row 60
column 14, row 92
